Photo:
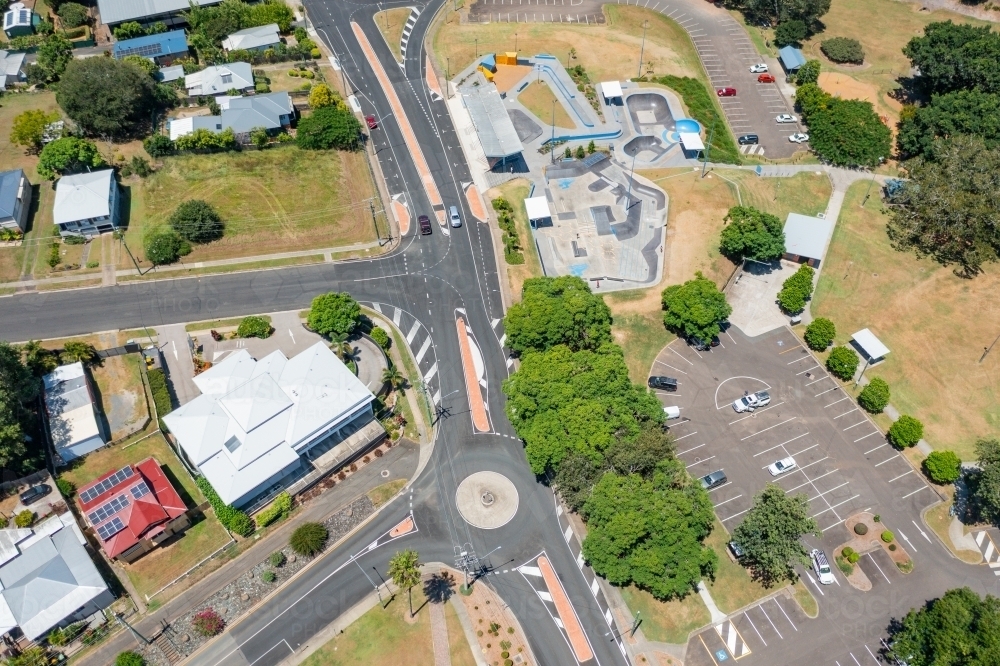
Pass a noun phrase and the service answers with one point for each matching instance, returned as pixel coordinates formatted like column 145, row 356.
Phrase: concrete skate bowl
column 646, row 148
column 649, row 109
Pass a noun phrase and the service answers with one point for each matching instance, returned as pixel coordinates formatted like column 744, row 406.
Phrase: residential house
column 15, row 200
column 254, row 419
column 241, row 114
column 162, row 48
column 145, row 12
column 168, row 74
column 253, row 39
column 220, row 79
column 48, row 578
column 133, row 510
column 11, row 68
column 72, row 412
column 86, row 204
column 18, row 20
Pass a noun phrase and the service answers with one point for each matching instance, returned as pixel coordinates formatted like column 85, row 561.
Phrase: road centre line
column 758, row 412
column 876, row 448
column 826, row 391
column 785, row 614
column 698, row 462
column 782, row 444
column 900, row 476
column 835, row 506
column 829, row 491
column 680, row 453
column 877, row 432
column 715, row 506
column 845, row 413
column 880, row 571
column 887, row 460
column 817, row 478
column 761, row 607
column 768, row 428
column 734, row 515
column 855, row 425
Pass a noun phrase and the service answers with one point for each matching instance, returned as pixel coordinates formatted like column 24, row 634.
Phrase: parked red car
column 372, row 123
column 726, row 92
column 765, row 78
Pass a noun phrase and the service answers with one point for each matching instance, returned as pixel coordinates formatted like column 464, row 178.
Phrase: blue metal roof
column 151, row 46
column 791, row 57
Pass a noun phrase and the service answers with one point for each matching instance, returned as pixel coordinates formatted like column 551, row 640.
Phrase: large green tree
column 335, row 312
column 752, row 234
column 955, row 56
column 695, row 308
column 650, row 533
column 196, row 221
column 848, row 132
column 986, row 482
column 779, row 11
column 770, row 535
column 957, row 629
column 950, row 205
column 54, row 55
column 555, row 311
column 329, row 127
column 29, row 128
column 561, row 401
column 68, row 155
column 948, row 115
column 18, row 388
column 107, row 97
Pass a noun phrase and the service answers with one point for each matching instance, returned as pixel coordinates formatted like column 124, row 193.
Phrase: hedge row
column 505, row 220
column 279, row 509
column 161, row 396
column 701, row 106
column 232, row 519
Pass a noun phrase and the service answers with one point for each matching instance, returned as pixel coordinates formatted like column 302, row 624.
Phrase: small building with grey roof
column 86, row 204
column 240, row 114
column 253, row 39
column 15, row 200
column 806, row 238
column 72, row 412
column 494, row 128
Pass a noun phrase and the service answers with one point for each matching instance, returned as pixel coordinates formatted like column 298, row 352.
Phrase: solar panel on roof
column 145, row 50
column 107, row 484
column 110, row 528
column 140, row 490
column 105, row 511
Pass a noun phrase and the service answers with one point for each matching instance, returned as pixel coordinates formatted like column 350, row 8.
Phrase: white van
column 456, row 220
column 822, row 567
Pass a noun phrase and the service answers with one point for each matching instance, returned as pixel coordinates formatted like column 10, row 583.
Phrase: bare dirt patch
column 507, row 75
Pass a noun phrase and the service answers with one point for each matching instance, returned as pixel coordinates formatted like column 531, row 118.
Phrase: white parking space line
column 901, row 476
column 914, row 492
column 671, row 367
column 804, row 450
column 813, row 481
column 874, row 658
column 855, row 425
column 799, row 469
column 755, row 628
column 698, row 462
column 876, row 448
column 785, row 614
column 690, row 450
column 879, row 568
column 868, row 435
column 727, row 483
column 845, row 413
column 716, row 506
column 799, row 359
column 887, row 460
column 731, row 337
column 687, row 435
column 782, row 444
column 835, row 506
column 825, row 392
column 829, row 491
column 807, row 370
column 768, row 428
column 762, row 610
column 818, row 380
column 679, row 354
column 757, row 412
column 734, row 515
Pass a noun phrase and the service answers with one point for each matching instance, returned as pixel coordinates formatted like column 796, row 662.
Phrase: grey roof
column 83, row 196
column 70, row 406
column 119, row 11
column 241, row 114
column 493, row 125
column 791, row 57
column 807, row 236
column 170, row 73
column 217, row 79
column 252, row 38
column 10, row 182
column 11, row 63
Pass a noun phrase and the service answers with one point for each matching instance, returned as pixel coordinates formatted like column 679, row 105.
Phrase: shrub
column 888, row 536
column 820, row 333
column 335, row 312
column 380, row 336
column 254, row 327
column 267, row 576
column 853, row 557
column 808, row 73
column 293, row 73
column 842, row 362
column 24, row 518
column 158, row 145
column 277, row 559
column 72, row 14
column 163, row 245
column 278, row 509
column 329, row 127
column 66, row 487
column 161, row 396
column 796, row 290
column 906, row 432
column 790, row 33
column 846, row 567
column 943, row 467
column 874, row 397
column 232, row 519
column 843, row 49
column 4, row 521
column 196, row 221
column 208, row 622
column 861, row 529
column 309, row 538
column 315, row 53
column 130, row 659
column 202, row 139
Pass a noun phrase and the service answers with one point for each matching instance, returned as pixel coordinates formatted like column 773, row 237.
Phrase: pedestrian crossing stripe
column 991, row 554
column 730, row 635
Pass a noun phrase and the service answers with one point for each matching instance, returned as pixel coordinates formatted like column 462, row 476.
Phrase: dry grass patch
column 805, row 598
column 391, row 23
column 924, row 314
column 379, row 495
column 538, row 98
column 667, row 621
column 160, row 567
column 458, row 645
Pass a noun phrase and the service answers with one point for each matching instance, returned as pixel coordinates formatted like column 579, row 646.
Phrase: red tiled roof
column 142, row 515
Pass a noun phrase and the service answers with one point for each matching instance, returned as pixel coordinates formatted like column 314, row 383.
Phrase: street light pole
column 552, row 141
column 378, row 591
column 708, row 148
column 642, row 48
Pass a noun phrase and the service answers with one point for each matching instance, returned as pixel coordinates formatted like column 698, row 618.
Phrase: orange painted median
column 404, row 124
column 567, row 614
column 432, row 81
column 402, row 217
column 479, row 419
column 476, row 204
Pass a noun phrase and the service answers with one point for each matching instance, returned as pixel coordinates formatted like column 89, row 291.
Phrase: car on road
column 425, row 225
column 663, row 383
column 35, row 493
column 821, row 566
column 751, row 401
column 748, row 140
column 726, row 92
column 779, row 467
column 456, row 220
column 766, row 78
column 713, row 480
column 759, row 67
column 798, row 137
column 785, row 118
column 371, row 122
column 735, row 549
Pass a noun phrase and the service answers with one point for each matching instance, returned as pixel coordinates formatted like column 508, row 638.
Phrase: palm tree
column 79, row 351
column 341, row 347
column 404, row 568
column 394, row 378
column 39, row 360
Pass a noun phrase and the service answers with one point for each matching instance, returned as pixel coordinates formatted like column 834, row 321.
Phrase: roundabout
column 486, row 500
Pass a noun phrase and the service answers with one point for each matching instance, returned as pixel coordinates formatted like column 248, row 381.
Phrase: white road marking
column 698, row 462
column 291, row 335
column 805, row 449
column 887, row 460
column 866, row 436
column 826, row 391
column 872, row 558
column 835, row 506
column 818, row 588
column 715, row 506
column 768, row 428
column 779, row 445
column 922, row 533
column 828, row 491
column 799, row 359
column 907, row 539
column 757, row 412
column 755, row 628
column 806, row 370
column 734, row 515
column 914, row 492
column 687, row 435
column 901, row 476
column 845, row 413
column 813, row 480
column 855, row 425
column 762, row 610
column 818, row 380
column 785, row 614
column 690, row 450
column 678, row 353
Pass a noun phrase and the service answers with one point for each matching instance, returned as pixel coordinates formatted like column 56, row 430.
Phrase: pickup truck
column 752, row 401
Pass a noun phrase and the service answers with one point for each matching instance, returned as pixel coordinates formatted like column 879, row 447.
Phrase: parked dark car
column 713, row 480
column 748, row 140
column 735, row 549
column 35, row 493
column 425, row 225
column 663, row 383
column 701, row 345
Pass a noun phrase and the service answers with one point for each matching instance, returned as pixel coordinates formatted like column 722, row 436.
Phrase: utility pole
column 987, row 350
column 378, row 591
column 515, row 43
column 642, row 48
column 477, row 47
column 378, row 236
column 708, row 148
column 136, row 634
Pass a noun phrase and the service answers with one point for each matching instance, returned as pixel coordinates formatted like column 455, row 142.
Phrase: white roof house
column 114, row 12
column 219, row 79
column 806, row 238
column 83, row 196
column 47, row 578
column 249, row 39
column 254, row 418
column 11, row 68
column 71, row 411
column 870, row 345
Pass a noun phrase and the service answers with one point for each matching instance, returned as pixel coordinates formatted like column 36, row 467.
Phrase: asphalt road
column 431, row 278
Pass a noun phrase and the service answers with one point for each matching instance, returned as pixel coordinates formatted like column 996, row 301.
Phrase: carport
column 538, row 212
column 612, row 91
column 870, row 346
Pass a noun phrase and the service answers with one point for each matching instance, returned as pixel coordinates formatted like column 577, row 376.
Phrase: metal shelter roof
column 493, row 125
column 807, row 236
column 870, row 344
column 537, row 207
column 791, row 57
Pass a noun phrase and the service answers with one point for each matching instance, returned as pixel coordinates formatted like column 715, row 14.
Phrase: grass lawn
column 670, row 621
column 732, row 588
column 515, row 191
column 609, row 52
column 922, row 312
column 390, row 23
column 277, row 200
column 218, row 323
column 379, row 495
column 538, row 98
column 939, row 519
column 278, row 78
column 805, row 598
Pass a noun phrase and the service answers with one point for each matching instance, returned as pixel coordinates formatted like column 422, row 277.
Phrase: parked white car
column 752, row 401
column 758, row 68
column 786, row 118
column 822, row 567
column 779, row 467
column 798, row 137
